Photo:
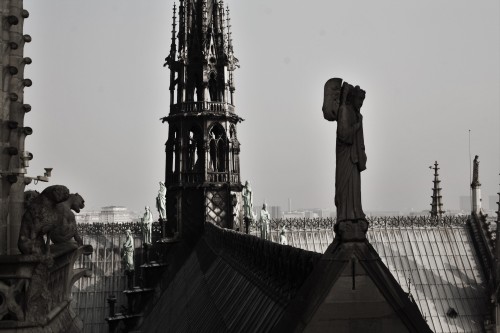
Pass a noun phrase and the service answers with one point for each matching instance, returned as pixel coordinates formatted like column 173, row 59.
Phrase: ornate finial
column 229, row 38
column 182, row 31
column 171, row 56
column 498, row 211
column 174, row 24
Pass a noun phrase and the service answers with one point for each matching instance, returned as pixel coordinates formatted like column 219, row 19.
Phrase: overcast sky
column 430, row 69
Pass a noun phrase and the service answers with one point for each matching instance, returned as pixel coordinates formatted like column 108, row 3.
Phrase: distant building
column 310, row 214
column 107, row 214
column 88, row 217
column 115, row 214
column 324, row 213
column 276, row 212
column 294, row 215
column 388, row 213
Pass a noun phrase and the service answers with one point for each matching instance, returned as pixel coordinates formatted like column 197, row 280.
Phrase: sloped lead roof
column 232, row 282
column 302, row 310
column 438, row 265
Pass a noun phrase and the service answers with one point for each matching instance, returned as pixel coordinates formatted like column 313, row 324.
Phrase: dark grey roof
column 230, row 282
column 325, row 275
column 440, row 263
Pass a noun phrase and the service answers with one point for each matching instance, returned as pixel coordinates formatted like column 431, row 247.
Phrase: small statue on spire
column 475, row 173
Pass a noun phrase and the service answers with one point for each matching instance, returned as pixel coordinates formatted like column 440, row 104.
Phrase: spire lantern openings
column 203, row 69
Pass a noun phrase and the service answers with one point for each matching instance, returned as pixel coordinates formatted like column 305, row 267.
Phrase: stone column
column 476, row 188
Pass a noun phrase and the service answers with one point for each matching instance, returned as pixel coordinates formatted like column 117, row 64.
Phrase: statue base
column 351, row 230
column 247, row 224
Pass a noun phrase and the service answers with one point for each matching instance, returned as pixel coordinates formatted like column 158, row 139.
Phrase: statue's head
column 128, row 232
column 56, row 193
column 264, row 206
column 147, row 208
column 358, row 96
column 331, row 99
column 76, row 202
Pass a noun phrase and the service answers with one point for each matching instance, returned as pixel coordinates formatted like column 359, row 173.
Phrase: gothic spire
column 173, row 45
column 436, row 204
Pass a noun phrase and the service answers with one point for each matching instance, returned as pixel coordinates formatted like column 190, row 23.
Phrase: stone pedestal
column 351, row 231
column 476, row 200
column 137, row 298
column 152, row 273
column 36, row 290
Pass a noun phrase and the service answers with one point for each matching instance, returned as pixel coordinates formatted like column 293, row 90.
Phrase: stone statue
column 192, row 152
column 247, row 201
column 265, row 223
column 40, row 218
column 128, row 252
column 342, row 103
column 147, row 225
column 66, row 229
column 475, row 172
column 161, row 201
column 213, row 153
column 283, row 239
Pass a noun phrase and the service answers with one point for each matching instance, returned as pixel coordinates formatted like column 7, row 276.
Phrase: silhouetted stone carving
column 40, row 218
column 475, row 172
column 161, row 201
column 342, row 103
column 66, row 229
column 29, row 196
column 10, row 305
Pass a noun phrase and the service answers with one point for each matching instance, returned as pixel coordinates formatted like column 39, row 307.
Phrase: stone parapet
column 35, row 290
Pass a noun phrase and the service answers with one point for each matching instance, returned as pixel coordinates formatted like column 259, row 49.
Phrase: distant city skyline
column 99, row 90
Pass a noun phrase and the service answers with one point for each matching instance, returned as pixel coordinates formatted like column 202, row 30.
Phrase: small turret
column 436, row 204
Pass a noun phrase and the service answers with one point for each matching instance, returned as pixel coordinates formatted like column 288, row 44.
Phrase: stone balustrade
column 35, row 290
column 373, row 222
column 195, row 107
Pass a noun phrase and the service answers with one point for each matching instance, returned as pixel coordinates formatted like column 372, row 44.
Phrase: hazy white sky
column 430, row 69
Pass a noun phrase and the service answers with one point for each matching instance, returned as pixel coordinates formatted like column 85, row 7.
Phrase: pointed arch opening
column 218, row 148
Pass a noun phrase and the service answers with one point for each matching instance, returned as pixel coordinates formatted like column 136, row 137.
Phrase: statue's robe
column 128, row 254
column 351, row 160
column 265, row 219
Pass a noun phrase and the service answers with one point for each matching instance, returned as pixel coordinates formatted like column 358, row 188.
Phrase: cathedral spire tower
column 202, row 151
